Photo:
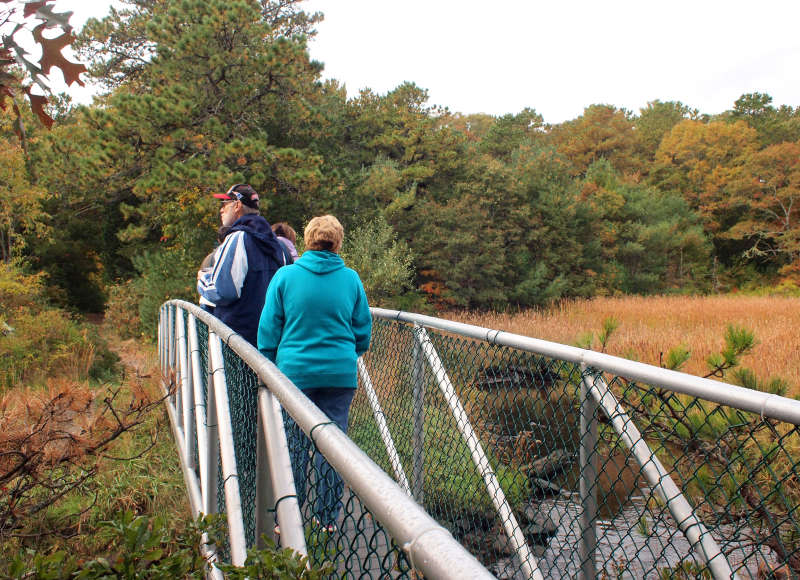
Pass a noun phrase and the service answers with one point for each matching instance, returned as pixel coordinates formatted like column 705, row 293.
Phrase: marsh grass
column 650, row 326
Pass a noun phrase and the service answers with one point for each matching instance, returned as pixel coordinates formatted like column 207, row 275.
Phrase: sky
column 559, row 57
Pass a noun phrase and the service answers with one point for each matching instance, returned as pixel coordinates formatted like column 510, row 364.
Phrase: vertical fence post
column 161, row 339
column 279, row 467
column 211, row 505
column 171, row 341
column 265, row 495
column 588, row 479
column 418, row 438
column 187, row 394
column 200, row 416
column 233, row 499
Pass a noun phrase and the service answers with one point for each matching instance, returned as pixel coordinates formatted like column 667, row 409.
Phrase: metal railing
column 227, row 406
column 606, row 467
column 542, row 460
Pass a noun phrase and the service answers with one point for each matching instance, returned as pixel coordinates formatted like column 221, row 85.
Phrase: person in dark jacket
column 315, row 324
column 244, row 263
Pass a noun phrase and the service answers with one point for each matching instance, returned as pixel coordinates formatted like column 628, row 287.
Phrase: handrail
column 763, row 404
column 429, row 546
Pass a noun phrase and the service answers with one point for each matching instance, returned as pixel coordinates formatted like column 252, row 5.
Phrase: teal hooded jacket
column 316, row 322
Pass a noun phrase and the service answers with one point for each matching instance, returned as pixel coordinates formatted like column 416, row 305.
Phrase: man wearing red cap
column 244, row 263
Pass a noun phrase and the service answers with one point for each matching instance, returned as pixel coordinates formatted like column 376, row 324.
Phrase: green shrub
column 164, row 275
column 122, row 310
column 384, row 264
column 143, row 547
column 38, row 341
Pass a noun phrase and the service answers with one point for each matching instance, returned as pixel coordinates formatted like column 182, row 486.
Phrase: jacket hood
column 262, row 234
column 320, row 262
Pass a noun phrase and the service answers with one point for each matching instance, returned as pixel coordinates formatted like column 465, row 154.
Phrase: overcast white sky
column 556, row 57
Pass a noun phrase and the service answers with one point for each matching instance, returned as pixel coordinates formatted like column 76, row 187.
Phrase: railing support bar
column 418, row 417
column 279, row 467
column 201, row 421
column 187, row 391
column 212, row 449
column 383, row 427
column 512, row 529
column 588, row 481
column 696, row 533
column 233, row 502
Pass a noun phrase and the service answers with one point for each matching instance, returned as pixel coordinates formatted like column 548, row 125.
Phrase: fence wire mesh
column 354, row 544
column 738, row 470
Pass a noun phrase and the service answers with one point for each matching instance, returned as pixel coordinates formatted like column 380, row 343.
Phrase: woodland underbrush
column 90, row 483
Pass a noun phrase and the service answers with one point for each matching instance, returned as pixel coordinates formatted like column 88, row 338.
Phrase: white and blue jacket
column 244, row 264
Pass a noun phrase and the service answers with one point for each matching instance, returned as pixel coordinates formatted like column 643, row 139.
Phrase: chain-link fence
column 349, row 538
column 543, row 461
column 604, row 476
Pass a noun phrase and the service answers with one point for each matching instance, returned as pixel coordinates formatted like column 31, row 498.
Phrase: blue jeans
column 335, row 403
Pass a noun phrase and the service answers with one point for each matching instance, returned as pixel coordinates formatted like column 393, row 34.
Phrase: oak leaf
column 52, row 57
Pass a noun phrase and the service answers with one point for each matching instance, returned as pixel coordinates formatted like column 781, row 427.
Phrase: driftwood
column 542, row 470
column 539, row 376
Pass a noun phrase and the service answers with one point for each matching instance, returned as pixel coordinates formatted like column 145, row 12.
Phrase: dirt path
column 139, row 359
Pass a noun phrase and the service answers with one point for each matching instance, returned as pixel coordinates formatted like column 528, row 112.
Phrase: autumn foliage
column 492, row 212
column 16, row 18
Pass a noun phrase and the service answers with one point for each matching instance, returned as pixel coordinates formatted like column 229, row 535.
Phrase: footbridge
column 476, row 453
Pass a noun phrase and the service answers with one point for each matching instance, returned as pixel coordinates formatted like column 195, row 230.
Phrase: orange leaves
column 52, row 57
column 37, row 106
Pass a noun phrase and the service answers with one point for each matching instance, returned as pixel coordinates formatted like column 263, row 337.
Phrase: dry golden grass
column 650, row 326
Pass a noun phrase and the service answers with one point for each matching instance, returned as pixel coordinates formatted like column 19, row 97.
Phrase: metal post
column 201, row 420
column 265, row 496
column 211, row 478
column 653, row 471
column 383, row 427
column 171, row 331
column 498, row 497
column 418, row 415
column 279, row 466
column 233, row 502
column 162, row 338
column 587, row 547
column 187, row 393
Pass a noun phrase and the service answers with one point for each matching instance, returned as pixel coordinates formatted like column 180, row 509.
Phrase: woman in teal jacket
column 314, row 326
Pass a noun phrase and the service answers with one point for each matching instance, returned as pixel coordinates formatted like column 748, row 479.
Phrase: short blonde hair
column 324, row 233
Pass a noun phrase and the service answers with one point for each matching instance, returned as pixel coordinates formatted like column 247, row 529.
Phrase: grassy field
column 650, row 326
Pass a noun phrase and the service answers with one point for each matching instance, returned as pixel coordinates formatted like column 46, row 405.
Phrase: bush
column 383, row 263
column 122, row 310
column 143, row 547
column 38, row 341
column 164, row 275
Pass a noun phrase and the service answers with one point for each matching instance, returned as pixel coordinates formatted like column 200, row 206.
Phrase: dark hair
column 285, row 231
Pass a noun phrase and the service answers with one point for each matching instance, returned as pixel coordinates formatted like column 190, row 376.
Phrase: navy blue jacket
column 244, row 265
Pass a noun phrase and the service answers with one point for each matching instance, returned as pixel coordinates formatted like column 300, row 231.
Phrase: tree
column 704, row 161
column 511, row 131
column 602, row 132
column 773, row 125
column 652, row 241
column 21, row 212
column 656, row 120
column 771, row 193
column 221, row 97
